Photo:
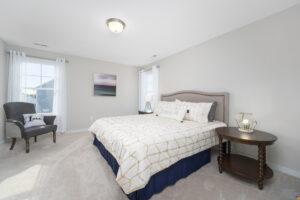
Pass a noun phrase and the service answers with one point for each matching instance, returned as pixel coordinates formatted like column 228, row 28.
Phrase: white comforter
column 146, row 144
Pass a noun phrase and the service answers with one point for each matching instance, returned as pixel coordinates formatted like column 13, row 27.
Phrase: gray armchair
column 15, row 123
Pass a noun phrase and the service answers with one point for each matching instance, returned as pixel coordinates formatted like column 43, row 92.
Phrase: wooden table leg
column 54, row 136
column 261, row 165
column 13, row 143
column 220, row 154
column 228, row 148
column 264, row 158
column 27, row 145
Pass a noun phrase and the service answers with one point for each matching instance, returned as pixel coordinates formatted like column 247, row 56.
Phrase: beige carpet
column 73, row 169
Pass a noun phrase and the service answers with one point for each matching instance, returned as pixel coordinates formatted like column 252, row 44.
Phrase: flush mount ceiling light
column 115, row 25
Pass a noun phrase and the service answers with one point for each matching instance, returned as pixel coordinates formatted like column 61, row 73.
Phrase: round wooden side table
column 244, row 166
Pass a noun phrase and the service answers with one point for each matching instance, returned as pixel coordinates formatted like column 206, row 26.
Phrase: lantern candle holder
column 246, row 122
column 148, row 99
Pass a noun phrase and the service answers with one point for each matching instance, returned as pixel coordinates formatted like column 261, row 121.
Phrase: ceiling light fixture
column 115, row 25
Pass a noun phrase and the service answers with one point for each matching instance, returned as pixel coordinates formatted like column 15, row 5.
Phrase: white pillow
column 160, row 105
column 195, row 111
column 177, row 113
column 33, row 120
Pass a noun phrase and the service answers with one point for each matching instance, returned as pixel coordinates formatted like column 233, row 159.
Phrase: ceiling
column 161, row 27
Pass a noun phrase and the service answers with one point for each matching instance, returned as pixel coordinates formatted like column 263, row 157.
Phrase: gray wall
column 259, row 65
column 3, row 86
column 82, row 107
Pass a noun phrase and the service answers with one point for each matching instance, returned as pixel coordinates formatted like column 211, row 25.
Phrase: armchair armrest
column 49, row 119
column 16, row 122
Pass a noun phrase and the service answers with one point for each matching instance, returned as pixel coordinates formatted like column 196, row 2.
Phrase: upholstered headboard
column 222, row 99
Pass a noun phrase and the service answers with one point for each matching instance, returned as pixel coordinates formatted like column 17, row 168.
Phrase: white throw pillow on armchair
column 31, row 120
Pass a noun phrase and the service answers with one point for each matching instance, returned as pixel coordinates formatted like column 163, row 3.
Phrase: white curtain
column 142, row 89
column 16, row 60
column 155, row 78
column 60, row 100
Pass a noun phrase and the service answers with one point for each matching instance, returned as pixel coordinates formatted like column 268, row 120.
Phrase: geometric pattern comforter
column 146, row 144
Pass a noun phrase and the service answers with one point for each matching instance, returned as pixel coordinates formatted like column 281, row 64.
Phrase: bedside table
column 246, row 167
column 144, row 113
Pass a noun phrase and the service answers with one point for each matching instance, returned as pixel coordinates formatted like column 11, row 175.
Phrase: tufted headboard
column 222, row 99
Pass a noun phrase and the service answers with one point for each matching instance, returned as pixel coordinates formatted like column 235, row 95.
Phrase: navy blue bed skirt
column 162, row 179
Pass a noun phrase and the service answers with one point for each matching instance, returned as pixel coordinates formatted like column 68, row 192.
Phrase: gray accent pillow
column 212, row 112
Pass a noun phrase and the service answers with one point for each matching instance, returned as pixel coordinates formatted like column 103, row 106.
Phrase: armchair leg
column 35, row 140
column 27, row 145
column 54, row 136
column 13, row 143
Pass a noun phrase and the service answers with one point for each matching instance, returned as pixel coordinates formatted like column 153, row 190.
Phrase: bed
column 148, row 153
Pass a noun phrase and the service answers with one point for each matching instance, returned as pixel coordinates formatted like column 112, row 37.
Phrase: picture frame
column 105, row 84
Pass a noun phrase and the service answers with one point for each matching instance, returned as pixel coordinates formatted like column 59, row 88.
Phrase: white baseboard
column 78, row 130
column 285, row 170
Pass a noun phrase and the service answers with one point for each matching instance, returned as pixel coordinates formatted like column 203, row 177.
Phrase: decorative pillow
column 173, row 113
column 33, row 120
column 195, row 111
column 212, row 112
column 159, row 106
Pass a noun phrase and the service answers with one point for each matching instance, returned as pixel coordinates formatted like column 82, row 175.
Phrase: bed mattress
column 144, row 145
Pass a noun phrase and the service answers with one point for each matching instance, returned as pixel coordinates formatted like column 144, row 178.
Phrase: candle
column 245, row 121
column 246, row 124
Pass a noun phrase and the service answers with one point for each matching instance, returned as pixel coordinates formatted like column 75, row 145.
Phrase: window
column 37, row 84
column 41, row 82
column 149, row 82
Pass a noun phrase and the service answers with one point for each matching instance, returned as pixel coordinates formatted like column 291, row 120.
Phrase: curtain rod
column 30, row 56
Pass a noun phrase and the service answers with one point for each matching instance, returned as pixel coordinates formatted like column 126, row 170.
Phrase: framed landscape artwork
column 105, row 85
